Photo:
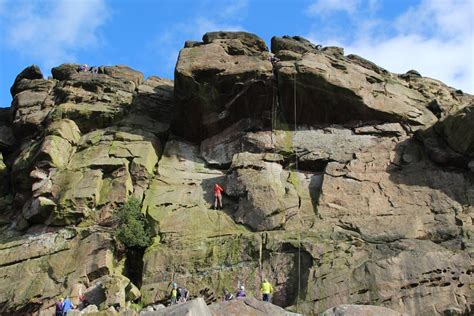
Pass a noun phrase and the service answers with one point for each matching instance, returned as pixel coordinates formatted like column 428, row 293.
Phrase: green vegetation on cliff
column 132, row 230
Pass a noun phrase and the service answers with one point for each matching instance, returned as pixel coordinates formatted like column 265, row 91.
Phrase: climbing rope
column 298, row 210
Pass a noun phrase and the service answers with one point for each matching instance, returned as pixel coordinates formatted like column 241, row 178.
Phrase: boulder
column 248, row 306
column 296, row 44
column 29, row 73
column 225, row 79
column 193, row 307
column 65, row 71
column 360, row 310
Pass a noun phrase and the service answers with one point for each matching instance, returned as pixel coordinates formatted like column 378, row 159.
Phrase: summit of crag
column 343, row 183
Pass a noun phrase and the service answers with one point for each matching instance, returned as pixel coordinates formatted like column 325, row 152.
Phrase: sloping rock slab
column 360, row 310
column 191, row 308
column 250, row 307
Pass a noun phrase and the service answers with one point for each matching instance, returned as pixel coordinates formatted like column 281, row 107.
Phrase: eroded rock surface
column 367, row 200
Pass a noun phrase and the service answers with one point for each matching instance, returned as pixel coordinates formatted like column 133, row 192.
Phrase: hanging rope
column 298, row 210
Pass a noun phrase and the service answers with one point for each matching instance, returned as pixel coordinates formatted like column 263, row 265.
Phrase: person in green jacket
column 266, row 290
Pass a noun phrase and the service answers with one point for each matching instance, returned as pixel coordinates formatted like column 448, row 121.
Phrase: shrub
column 132, row 229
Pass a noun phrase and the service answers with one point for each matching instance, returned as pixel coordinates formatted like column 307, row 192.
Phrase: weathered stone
column 295, row 44
column 30, row 108
column 3, row 176
column 346, row 209
column 76, row 193
column 360, row 310
column 328, row 80
column 39, row 209
column 248, row 306
column 115, row 290
column 47, row 263
column 56, row 151
column 458, row 128
column 268, row 195
column 220, row 82
column 133, row 293
column 87, row 116
column 179, row 200
column 219, row 149
column 66, row 129
column 124, row 73
column 117, row 187
column 6, row 134
column 30, row 73
column 65, row 71
column 193, row 307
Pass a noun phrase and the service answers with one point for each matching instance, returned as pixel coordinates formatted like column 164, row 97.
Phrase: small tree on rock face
column 131, row 230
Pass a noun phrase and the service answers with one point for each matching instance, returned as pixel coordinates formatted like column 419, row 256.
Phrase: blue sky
column 435, row 37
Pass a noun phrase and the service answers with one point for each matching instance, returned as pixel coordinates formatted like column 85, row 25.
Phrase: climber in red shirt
column 218, row 195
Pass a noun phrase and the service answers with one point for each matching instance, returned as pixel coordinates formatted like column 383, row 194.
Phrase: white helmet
column 242, row 288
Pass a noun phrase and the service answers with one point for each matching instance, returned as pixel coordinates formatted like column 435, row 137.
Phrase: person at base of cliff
column 227, row 296
column 59, row 307
column 218, row 196
column 241, row 292
column 174, row 295
column 83, row 303
column 67, row 305
column 266, row 290
column 183, row 295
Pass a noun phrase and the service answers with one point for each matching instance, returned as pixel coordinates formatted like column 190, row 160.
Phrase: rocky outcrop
column 219, row 81
column 367, row 199
column 324, row 80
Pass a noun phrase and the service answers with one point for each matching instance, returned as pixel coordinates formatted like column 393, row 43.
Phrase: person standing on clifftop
column 218, row 196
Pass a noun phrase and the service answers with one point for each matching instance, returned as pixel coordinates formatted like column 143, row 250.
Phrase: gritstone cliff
column 344, row 183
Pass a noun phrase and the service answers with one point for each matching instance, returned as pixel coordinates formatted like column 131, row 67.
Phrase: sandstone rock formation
column 365, row 196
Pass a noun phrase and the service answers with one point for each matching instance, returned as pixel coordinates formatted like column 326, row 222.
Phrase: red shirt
column 218, row 189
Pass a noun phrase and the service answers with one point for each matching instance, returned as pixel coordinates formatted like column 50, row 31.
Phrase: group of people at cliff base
column 63, row 306
column 178, row 294
column 181, row 294
column 266, row 289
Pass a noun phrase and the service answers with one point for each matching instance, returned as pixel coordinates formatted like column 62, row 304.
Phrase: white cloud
column 52, row 32
column 435, row 37
column 233, row 9
column 323, row 7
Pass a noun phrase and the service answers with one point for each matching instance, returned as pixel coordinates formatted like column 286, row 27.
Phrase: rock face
column 364, row 197
column 219, row 81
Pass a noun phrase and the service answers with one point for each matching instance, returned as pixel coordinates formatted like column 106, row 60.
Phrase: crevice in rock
column 134, row 265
